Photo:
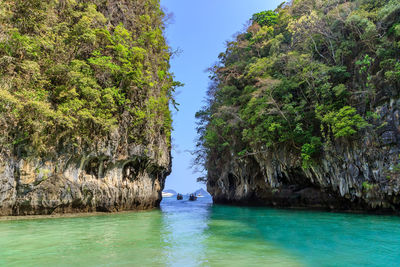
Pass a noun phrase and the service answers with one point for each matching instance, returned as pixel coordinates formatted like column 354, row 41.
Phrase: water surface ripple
column 198, row 233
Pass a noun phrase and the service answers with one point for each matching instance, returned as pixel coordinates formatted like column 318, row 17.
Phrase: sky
column 199, row 29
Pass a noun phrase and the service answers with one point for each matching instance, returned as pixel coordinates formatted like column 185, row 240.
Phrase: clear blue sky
column 199, row 29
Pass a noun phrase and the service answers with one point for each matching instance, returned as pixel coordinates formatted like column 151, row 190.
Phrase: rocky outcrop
column 362, row 173
column 87, row 128
column 107, row 178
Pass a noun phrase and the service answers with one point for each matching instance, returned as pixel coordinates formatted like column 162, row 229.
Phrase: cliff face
column 84, row 101
column 107, row 178
column 350, row 175
column 303, row 109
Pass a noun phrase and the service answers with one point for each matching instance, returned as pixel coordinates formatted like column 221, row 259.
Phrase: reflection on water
column 200, row 234
column 184, row 225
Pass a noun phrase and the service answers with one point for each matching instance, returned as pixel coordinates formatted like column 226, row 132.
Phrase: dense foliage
column 301, row 77
column 71, row 73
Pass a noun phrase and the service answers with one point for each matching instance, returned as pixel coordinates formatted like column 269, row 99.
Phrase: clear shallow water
column 200, row 234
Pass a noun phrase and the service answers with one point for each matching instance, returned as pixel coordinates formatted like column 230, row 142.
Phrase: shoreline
column 294, row 208
column 69, row 215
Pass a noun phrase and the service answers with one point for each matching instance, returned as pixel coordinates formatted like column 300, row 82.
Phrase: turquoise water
column 199, row 234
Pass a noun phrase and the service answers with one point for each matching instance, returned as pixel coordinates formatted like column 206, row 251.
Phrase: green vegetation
column 69, row 75
column 300, row 78
column 367, row 186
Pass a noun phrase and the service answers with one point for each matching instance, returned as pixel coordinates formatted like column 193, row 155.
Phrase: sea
column 199, row 233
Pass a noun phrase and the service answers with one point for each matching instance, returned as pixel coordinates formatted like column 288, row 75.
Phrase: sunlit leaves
column 344, row 122
column 266, row 18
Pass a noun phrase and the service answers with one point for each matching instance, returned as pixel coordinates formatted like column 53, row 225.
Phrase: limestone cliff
column 85, row 89
column 107, row 178
column 350, row 175
column 303, row 109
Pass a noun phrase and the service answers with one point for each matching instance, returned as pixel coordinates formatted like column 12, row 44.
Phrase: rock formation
column 84, row 106
column 303, row 109
column 353, row 175
column 107, row 178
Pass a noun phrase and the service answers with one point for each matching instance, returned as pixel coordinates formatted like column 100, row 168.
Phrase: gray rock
column 388, row 137
column 353, row 170
column 119, row 182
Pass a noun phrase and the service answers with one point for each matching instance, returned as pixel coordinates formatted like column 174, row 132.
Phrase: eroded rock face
column 107, row 179
column 359, row 174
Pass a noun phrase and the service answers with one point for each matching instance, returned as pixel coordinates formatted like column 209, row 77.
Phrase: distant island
column 171, row 192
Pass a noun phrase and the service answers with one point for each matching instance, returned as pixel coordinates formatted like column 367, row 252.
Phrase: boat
column 165, row 194
column 200, row 195
column 179, row 197
column 192, row 197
